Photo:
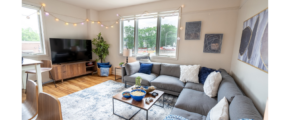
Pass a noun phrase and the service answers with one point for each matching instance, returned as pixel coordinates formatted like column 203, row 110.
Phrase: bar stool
column 46, row 66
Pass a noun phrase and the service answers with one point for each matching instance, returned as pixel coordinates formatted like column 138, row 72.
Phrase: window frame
column 41, row 30
column 159, row 16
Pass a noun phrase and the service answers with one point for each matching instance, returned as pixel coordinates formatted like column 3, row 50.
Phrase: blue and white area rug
column 95, row 103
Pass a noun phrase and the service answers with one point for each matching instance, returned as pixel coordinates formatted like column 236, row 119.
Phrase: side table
column 116, row 74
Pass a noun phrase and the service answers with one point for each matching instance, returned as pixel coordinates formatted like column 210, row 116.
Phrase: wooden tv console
column 72, row 69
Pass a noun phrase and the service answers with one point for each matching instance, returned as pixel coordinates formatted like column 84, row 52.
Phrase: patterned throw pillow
column 174, row 117
column 220, row 111
column 212, row 83
column 189, row 73
column 203, row 73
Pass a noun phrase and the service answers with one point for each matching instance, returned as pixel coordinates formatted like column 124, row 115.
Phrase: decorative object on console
column 254, row 41
column 90, row 64
column 192, row 30
column 121, row 64
column 102, row 48
column 127, row 53
column 145, row 68
column 138, row 81
column 203, row 73
column 220, row 111
column 189, row 73
column 212, row 43
column 212, row 83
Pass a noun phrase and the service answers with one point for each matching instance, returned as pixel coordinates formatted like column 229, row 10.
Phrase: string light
column 178, row 38
column 43, row 5
column 93, row 22
column 116, row 22
column 99, row 22
column 106, row 27
column 75, row 24
column 38, row 13
column 87, row 20
column 117, row 14
column 66, row 23
column 102, row 25
column 182, row 6
column 82, row 23
column 181, row 28
column 56, row 19
column 147, row 13
column 46, row 13
column 112, row 26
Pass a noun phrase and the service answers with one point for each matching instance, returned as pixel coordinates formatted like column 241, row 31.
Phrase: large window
column 155, row 34
column 32, row 39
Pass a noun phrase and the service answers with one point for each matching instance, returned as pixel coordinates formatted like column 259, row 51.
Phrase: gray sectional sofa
column 192, row 102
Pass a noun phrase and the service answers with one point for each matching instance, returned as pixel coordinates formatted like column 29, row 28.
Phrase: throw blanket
column 174, row 117
column 104, row 71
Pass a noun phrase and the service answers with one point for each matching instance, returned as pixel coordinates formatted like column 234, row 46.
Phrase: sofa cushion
column 170, row 69
column 194, row 86
column 132, row 68
column 155, row 68
column 203, row 73
column 195, row 101
column 168, row 83
column 146, row 78
column 145, row 68
column 186, row 114
column 228, row 87
column 243, row 107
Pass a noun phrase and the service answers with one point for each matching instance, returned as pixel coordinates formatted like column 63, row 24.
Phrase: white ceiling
column 100, row 5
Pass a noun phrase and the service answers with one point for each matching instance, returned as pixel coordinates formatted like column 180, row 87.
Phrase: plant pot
column 121, row 65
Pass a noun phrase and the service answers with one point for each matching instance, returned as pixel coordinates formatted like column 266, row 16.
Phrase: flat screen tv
column 70, row 50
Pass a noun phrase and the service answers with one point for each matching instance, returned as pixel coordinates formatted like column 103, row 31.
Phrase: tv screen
column 70, row 50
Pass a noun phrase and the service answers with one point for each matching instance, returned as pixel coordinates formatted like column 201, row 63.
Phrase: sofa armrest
column 123, row 73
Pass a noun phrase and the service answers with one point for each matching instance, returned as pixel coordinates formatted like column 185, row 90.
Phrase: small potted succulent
column 121, row 64
column 138, row 81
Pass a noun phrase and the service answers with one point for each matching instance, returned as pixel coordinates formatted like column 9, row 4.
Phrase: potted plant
column 138, row 81
column 121, row 63
column 102, row 48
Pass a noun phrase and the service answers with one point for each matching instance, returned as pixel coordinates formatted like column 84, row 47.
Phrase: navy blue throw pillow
column 105, row 66
column 145, row 68
column 203, row 73
column 108, row 63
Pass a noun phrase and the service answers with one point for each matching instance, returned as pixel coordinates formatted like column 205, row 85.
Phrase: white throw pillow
column 220, row 111
column 212, row 83
column 189, row 73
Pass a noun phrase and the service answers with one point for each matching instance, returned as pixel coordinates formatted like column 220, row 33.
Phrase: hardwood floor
column 72, row 85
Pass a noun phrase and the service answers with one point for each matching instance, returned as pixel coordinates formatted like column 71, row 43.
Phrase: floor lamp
column 127, row 53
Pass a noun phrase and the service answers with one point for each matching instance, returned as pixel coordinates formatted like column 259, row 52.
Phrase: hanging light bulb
column 82, row 23
column 106, row 27
column 46, row 13
column 66, row 23
column 117, row 22
column 43, row 4
column 99, row 22
column 182, row 6
column 27, row 17
column 93, row 22
column 75, row 24
column 178, row 38
column 56, row 19
column 117, row 14
column 87, row 20
column 112, row 26
column 181, row 28
column 179, row 17
column 102, row 25
column 147, row 13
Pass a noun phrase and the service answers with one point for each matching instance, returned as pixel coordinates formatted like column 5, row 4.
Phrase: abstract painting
column 192, row 30
column 254, row 42
column 212, row 43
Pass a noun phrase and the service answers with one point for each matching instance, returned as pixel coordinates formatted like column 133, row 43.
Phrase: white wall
column 253, row 81
column 53, row 29
column 217, row 16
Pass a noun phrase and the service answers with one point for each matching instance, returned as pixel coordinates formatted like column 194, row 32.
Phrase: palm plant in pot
column 102, row 48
